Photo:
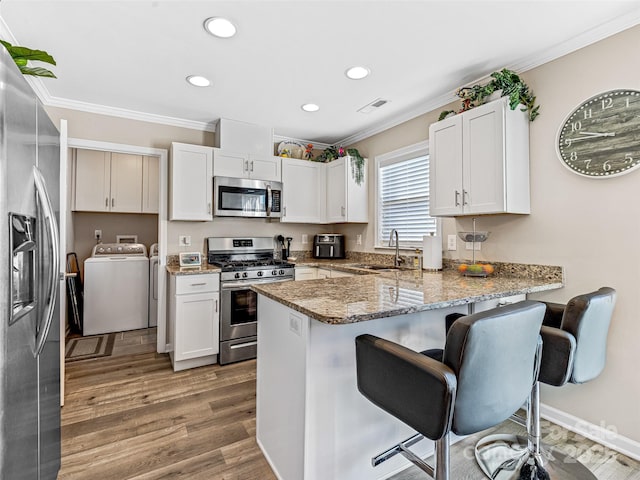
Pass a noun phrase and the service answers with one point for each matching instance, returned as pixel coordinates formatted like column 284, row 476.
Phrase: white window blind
column 403, row 202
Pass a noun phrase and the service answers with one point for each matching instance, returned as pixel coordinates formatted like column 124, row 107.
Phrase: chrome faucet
column 397, row 260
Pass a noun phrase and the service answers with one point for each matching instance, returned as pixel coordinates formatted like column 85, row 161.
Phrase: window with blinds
column 403, row 200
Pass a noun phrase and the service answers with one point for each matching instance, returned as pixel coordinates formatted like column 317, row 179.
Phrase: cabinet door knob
column 342, row 210
column 252, row 165
column 106, row 201
column 216, row 306
column 246, row 165
column 209, row 208
column 465, row 197
column 113, row 202
column 457, row 198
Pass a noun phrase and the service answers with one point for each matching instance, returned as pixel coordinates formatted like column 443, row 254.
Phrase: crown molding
column 407, row 115
column 129, row 114
column 594, row 35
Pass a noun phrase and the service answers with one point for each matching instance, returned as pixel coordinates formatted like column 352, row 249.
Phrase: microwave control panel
column 275, row 207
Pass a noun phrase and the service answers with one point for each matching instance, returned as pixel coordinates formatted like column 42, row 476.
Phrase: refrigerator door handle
column 52, row 229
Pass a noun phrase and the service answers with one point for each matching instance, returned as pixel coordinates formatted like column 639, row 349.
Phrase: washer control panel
column 111, row 249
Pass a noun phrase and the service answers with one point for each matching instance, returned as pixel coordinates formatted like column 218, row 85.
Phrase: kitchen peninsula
column 312, row 423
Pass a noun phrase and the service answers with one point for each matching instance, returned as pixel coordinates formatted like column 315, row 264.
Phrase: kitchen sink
column 380, row 267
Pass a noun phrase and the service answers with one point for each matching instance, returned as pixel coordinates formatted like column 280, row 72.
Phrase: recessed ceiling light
column 357, row 73
column 310, row 107
column 198, row 81
column 220, row 27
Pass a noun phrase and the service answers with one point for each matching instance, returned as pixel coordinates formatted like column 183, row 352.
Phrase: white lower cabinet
column 306, row 273
column 194, row 319
column 331, row 273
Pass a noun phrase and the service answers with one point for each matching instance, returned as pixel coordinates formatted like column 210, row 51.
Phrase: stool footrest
column 403, row 448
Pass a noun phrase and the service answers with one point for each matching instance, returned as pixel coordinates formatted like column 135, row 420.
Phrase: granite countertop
column 386, row 294
column 204, row 268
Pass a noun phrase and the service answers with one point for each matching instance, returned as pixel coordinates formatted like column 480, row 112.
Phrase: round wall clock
column 601, row 137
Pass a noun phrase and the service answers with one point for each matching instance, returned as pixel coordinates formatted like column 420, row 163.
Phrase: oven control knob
column 274, row 272
column 281, row 272
column 245, row 274
column 259, row 274
column 237, row 275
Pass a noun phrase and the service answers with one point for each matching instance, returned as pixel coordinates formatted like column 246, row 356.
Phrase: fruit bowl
column 476, row 269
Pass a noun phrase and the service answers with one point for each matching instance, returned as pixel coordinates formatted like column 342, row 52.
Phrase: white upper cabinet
column 346, row 200
column 304, row 191
column 190, row 182
column 126, row 183
column 246, row 165
column 245, row 150
column 93, row 181
column 150, row 184
column 479, row 162
column 108, row 182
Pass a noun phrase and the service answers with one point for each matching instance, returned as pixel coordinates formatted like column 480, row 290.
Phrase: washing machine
column 116, row 288
column 153, row 285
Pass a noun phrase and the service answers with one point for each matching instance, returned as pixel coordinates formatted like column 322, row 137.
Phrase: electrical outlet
column 185, row 240
column 452, row 242
column 305, row 238
column 469, row 246
column 358, row 239
column 97, row 234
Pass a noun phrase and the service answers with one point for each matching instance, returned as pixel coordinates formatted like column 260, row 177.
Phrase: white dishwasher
column 116, row 288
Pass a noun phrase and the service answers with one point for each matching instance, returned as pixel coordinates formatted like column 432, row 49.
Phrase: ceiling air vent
column 370, row 107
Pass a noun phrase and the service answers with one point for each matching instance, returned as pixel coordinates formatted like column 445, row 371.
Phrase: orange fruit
column 488, row 269
column 463, row 267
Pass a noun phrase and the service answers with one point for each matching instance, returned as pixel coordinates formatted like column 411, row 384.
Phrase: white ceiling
column 130, row 58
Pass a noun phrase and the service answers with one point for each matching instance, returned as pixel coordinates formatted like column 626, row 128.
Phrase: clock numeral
column 628, row 158
column 576, row 126
column 587, row 114
column 606, row 166
column 607, row 103
column 587, row 162
column 574, row 156
column 567, row 142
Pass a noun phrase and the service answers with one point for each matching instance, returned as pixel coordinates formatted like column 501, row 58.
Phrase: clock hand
column 596, row 134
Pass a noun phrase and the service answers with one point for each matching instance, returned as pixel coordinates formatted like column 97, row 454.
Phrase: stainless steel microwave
column 243, row 197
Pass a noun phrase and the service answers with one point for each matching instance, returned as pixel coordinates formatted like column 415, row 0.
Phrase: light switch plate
column 452, row 242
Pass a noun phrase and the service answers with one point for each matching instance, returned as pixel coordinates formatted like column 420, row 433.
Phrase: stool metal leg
column 513, row 457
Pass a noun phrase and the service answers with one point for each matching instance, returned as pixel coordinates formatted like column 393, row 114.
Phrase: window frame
column 405, row 153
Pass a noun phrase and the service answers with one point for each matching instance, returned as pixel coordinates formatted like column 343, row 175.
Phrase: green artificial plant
column 23, row 55
column 356, row 160
column 506, row 81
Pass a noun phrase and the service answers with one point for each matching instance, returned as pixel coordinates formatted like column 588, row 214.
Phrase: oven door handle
column 247, row 285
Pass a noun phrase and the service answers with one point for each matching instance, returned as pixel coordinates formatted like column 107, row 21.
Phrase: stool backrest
column 587, row 317
column 493, row 355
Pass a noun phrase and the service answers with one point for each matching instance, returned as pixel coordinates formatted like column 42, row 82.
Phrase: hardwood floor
column 130, row 417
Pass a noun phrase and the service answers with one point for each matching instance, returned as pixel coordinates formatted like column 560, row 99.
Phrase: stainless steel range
column 244, row 262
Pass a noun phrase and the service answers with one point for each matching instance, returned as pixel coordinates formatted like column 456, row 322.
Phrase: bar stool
column 574, row 351
column 488, row 367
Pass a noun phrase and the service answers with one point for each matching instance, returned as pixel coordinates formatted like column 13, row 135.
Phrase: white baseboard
column 598, row 433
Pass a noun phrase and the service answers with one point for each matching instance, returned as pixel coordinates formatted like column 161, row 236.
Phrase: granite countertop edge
column 205, row 268
column 386, row 313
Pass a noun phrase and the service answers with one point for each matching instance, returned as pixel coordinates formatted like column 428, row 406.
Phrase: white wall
column 589, row 226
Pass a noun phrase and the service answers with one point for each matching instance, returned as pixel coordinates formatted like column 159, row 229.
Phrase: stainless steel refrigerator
column 29, row 282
